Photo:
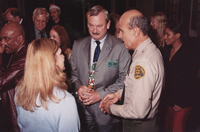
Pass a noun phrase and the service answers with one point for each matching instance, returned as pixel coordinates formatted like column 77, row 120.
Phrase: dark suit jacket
column 108, row 79
column 30, row 32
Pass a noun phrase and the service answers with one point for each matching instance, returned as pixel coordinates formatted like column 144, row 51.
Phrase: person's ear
column 20, row 38
column 17, row 18
column 108, row 24
column 178, row 35
column 136, row 31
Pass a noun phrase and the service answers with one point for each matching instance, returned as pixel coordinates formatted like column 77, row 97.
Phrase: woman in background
column 42, row 101
column 60, row 35
column 158, row 23
column 114, row 25
column 181, row 76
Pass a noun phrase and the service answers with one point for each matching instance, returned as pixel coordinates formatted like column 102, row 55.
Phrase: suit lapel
column 86, row 50
column 107, row 47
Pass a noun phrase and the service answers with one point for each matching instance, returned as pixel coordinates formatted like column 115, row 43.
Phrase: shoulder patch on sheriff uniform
column 139, row 72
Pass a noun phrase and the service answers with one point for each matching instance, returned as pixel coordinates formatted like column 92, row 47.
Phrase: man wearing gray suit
column 99, row 64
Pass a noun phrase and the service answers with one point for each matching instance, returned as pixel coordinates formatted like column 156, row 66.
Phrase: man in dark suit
column 99, row 64
column 39, row 27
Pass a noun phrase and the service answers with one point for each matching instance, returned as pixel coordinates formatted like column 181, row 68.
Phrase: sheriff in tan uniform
column 143, row 85
column 144, row 81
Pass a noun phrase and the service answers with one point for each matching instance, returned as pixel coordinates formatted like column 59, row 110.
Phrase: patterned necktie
column 91, row 83
column 42, row 35
column 97, row 52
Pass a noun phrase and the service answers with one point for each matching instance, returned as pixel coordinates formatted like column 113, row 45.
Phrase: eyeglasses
column 8, row 38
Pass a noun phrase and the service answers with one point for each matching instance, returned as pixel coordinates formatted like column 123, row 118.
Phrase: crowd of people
column 130, row 74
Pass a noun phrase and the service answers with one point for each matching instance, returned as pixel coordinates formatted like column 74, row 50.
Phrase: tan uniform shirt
column 143, row 84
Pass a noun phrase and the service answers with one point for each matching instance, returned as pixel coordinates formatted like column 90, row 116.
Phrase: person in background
column 4, row 56
column 60, row 35
column 14, row 15
column 55, row 15
column 42, row 101
column 144, row 81
column 55, row 12
column 99, row 64
column 114, row 26
column 158, row 24
column 39, row 27
column 13, row 42
column 181, row 77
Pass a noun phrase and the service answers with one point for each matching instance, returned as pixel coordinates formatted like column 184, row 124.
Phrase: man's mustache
column 7, row 47
column 95, row 33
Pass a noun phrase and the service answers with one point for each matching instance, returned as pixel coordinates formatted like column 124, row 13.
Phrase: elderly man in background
column 39, row 27
column 144, row 81
column 13, row 42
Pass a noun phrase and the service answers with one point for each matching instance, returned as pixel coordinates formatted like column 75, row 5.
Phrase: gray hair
column 40, row 11
column 95, row 10
column 140, row 22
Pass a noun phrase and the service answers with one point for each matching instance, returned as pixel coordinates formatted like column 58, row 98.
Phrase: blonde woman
column 42, row 101
column 158, row 23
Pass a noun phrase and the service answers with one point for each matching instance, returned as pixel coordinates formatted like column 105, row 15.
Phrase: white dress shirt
column 93, row 47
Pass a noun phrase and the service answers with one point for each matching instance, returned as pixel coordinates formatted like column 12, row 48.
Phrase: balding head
column 134, row 28
column 13, row 36
column 131, row 13
column 14, row 27
column 134, row 18
column 125, row 18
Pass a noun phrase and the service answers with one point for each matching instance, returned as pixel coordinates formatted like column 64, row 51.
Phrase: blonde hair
column 40, row 76
column 162, row 19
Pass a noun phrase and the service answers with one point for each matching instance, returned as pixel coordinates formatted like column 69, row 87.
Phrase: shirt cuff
column 120, row 91
column 114, row 109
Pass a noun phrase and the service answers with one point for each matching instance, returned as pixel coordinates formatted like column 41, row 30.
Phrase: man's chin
column 127, row 47
column 7, row 51
column 95, row 37
column 40, row 29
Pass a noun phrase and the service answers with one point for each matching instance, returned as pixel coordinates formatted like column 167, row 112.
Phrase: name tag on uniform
column 112, row 64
